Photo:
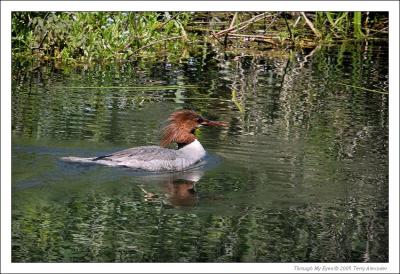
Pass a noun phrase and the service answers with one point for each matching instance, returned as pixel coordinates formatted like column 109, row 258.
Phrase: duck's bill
column 214, row 123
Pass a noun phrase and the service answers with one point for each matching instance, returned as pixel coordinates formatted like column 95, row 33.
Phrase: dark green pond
column 299, row 175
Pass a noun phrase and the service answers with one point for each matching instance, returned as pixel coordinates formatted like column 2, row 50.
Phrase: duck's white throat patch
column 194, row 151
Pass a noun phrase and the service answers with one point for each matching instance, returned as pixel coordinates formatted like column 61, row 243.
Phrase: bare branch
column 233, row 19
column 244, row 24
column 311, row 25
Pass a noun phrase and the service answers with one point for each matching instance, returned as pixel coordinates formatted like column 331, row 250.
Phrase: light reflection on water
column 300, row 174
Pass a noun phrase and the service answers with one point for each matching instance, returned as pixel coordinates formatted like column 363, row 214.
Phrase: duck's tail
column 77, row 159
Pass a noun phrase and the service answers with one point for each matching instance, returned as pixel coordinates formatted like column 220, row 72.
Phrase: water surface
column 299, row 175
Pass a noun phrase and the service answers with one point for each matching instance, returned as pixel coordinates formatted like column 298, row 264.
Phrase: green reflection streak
column 366, row 89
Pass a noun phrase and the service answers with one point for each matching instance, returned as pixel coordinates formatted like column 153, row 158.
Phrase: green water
column 299, row 175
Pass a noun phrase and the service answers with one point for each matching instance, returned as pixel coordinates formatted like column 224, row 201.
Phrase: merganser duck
column 180, row 129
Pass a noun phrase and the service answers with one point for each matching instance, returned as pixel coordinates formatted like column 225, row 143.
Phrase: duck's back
column 145, row 153
column 152, row 158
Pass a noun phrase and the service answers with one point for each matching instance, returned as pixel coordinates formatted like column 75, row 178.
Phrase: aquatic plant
column 82, row 38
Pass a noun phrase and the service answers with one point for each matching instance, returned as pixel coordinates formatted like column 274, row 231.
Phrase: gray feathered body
column 152, row 158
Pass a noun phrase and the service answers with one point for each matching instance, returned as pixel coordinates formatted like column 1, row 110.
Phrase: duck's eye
column 199, row 120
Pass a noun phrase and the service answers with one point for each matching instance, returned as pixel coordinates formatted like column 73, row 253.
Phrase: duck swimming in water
column 180, row 129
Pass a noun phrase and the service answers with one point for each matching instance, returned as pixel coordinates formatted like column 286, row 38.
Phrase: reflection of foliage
column 103, row 229
column 288, row 97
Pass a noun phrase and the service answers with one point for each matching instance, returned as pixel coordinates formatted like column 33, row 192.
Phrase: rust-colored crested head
column 181, row 126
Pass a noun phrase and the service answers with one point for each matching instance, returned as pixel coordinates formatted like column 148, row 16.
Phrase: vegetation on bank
column 82, row 38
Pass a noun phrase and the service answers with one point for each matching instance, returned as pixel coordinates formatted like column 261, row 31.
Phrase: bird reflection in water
column 179, row 188
column 182, row 193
